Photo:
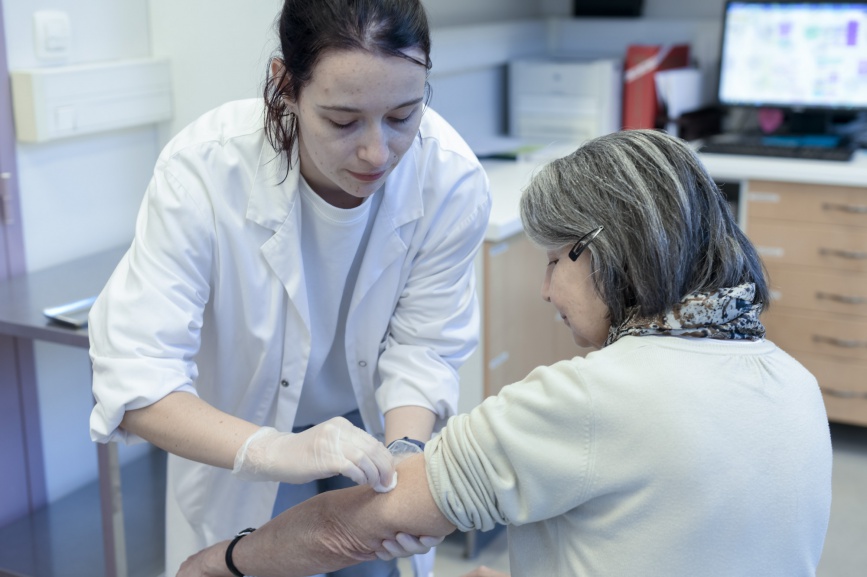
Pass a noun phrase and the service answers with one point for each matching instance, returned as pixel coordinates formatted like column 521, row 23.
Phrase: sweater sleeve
column 522, row 456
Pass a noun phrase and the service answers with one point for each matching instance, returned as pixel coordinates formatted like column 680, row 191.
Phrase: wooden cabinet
column 813, row 241
column 520, row 330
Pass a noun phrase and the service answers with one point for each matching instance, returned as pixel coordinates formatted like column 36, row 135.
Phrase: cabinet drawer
column 807, row 203
column 843, row 384
column 831, row 291
column 841, row 410
column 521, row 331
column 839, row 247
column 819, row 334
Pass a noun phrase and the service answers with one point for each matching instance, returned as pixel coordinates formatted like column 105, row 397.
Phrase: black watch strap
column 229, row 563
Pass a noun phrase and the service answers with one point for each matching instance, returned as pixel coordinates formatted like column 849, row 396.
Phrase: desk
column 22, row 299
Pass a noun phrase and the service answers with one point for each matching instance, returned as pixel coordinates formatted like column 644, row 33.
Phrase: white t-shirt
column 332, row 247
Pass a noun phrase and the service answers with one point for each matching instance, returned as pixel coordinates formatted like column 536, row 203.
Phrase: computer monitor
column 799, row 56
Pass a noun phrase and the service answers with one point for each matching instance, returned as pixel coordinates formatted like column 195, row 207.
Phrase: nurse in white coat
column 294, row 263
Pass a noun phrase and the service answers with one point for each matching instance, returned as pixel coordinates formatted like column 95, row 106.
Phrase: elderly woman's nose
column 546, row 292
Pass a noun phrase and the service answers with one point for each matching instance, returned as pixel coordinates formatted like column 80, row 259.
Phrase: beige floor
column 451, row 561
column 845, row 552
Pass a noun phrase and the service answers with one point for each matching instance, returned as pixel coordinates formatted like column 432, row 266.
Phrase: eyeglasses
column 583, row 242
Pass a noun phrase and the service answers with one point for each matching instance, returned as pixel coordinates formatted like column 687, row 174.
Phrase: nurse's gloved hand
column 335, row 447
column 404, row 545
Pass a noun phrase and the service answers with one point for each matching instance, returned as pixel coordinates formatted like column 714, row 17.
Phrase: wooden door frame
column 19, row 409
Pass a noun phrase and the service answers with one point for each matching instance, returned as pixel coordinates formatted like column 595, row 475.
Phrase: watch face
column 405, row 445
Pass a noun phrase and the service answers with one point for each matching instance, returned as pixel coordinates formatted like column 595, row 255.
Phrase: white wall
column 220, row 48
column 469, row 72
column 444, row 13
column 219, row 51
column 78, row 196
column 683, row 8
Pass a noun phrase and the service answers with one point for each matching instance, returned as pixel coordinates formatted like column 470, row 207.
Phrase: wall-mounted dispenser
column 63, row 101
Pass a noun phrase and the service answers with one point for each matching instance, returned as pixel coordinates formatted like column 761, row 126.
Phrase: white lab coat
column 211, row 299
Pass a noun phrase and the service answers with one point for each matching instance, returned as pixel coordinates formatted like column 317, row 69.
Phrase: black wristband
column 229, row 563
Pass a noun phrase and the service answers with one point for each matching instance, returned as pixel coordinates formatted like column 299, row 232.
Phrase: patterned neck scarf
column 728, row 313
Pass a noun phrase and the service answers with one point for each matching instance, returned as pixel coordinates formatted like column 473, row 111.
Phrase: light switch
column 52, row 34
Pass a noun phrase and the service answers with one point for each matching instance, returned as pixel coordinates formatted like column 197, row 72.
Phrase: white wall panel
column 683, row 8
column 464, row 12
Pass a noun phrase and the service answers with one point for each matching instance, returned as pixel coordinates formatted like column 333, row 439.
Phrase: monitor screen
column 796, row 55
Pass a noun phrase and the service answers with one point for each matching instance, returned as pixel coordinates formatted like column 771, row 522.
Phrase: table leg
column 470, row 544
column 114, row 542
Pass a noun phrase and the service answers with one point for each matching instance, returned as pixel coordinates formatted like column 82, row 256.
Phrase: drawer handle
column 850, row 254
column 842, row 343
column 841, row 298
column 845, row 208
column 843, row 394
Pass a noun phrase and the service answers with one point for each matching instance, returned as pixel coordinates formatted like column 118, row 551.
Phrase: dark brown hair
column 307, row 29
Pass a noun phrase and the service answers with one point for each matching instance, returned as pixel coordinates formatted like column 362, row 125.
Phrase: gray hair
column 668, row 230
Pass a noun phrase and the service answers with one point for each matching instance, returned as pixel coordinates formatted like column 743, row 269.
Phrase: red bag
column 640, row 104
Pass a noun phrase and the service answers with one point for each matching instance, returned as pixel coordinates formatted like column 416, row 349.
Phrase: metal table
column 22, row 299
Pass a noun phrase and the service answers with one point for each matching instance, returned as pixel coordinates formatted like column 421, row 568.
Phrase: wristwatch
column 405, row 446
column 229, row 563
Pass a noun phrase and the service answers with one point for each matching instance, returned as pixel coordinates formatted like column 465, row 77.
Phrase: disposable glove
column 335, row 447
column 404, row 545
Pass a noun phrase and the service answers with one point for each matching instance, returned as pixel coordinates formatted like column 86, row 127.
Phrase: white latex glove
column 404, row 545
column 335, row 447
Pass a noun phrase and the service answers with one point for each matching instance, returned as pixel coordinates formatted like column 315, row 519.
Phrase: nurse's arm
column 185, row 425
column 330, row 531
column 410, row 421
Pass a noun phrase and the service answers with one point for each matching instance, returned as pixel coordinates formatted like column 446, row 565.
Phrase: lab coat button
column 284, row 383
column 362, row 363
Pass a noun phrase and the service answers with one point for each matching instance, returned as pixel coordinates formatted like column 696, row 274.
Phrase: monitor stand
column 817, row 122
column 807, row 122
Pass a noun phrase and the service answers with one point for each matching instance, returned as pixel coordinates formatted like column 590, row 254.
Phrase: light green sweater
column 653, row 456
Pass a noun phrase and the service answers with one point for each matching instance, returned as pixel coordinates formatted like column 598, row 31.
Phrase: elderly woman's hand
column 210, row 562
column 404, row 545
column 485, row 572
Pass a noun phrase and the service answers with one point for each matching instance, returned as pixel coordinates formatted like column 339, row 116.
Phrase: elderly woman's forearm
column 341, row 528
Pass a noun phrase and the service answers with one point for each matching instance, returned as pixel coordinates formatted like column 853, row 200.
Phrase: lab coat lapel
column 276, row 206
column 401, row 205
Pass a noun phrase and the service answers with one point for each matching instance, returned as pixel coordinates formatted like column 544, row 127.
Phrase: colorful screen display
column 794, row 55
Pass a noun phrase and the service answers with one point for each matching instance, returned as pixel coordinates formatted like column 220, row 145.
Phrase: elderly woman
column 687, row 444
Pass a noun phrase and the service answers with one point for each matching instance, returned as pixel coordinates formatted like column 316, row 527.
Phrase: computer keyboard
column 771, row 146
